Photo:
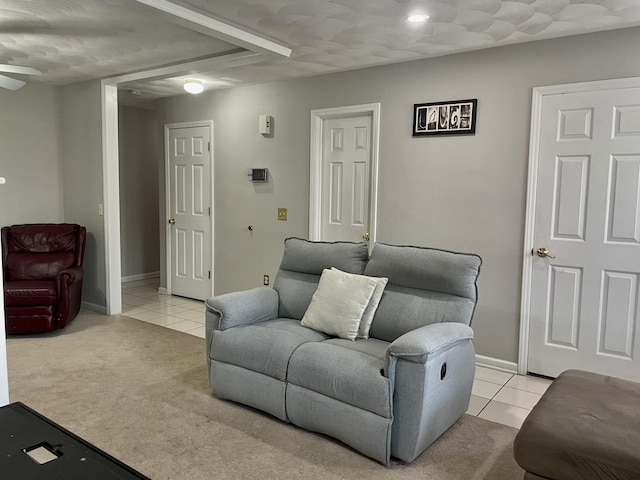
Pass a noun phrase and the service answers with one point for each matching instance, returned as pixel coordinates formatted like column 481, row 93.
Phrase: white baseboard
column 496, row 363
column 140, row 276
column 162, row 291
column 96, row 308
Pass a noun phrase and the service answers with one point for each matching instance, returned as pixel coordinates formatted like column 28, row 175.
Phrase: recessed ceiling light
column 417, row 18
column 193, row 86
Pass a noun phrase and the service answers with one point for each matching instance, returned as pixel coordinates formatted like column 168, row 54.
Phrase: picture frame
column 453, row 117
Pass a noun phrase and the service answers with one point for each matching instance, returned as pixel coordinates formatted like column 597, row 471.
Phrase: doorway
column 582, row 242
column 344, row 173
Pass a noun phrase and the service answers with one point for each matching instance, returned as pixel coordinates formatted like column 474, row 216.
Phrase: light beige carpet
column 140, row 393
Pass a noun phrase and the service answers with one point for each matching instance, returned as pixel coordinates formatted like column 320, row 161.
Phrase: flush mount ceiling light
column 193, row 86
column 417, row 18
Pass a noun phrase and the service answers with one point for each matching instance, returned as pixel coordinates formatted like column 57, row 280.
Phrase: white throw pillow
column 370, row 311
column 338, row 303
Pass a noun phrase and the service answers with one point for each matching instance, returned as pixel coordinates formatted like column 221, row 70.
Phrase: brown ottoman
column 586, row 426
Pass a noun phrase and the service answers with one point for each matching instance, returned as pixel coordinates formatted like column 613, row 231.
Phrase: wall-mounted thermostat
column 259, row 175
column 264, row 124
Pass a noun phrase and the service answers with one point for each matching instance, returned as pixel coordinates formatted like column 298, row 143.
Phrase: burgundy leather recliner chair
column 42, row 268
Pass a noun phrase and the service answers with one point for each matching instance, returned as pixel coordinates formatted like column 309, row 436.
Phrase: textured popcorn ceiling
column 71, row 40
column 75, row 40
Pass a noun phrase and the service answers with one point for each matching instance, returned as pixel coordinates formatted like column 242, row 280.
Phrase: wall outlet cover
column 282, row 214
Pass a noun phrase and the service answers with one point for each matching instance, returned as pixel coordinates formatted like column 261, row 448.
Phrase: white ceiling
column 75, row 40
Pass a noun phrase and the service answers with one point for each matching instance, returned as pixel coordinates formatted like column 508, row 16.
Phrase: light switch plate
column 282, row 214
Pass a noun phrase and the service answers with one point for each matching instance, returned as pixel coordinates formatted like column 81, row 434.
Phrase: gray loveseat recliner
column 392, row 394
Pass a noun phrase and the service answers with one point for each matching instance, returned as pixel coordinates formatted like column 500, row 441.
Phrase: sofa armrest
column 432, row 370
column 418, row 344
column 243, row 308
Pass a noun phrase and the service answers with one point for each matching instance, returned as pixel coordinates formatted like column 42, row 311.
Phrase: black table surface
column 22, row 428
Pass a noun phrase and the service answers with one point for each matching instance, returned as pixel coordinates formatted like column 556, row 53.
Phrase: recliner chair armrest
column 70, row 275
column 64, row 280
column 69, row 287
column 418, row 344
column 244, row 308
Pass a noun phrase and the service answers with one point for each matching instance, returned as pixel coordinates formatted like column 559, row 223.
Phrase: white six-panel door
column 190, row 214
column 346, row 166
column 584, row 292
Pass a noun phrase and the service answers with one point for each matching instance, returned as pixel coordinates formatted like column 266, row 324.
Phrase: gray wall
column 30, row 161
column 462, row 193
column 140, row 162
column 51, row 155
column 81, row 140
column 30, row 156
column 459, row 193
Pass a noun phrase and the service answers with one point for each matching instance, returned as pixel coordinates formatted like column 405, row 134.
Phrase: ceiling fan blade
column 10, row 83
column 18, row 69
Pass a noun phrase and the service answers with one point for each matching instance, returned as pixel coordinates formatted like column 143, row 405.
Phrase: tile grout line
column 494, row 396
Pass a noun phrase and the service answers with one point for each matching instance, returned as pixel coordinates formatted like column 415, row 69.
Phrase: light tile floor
column 504, row 397
column 497, row 396
column 141, row 300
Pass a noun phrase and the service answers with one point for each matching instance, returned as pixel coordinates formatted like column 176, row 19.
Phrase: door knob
column 172, row 221
column 543, row 253
column 365, row 237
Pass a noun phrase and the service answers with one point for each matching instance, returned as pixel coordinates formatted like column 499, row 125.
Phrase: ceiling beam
column 219, row 29
column 211, row 64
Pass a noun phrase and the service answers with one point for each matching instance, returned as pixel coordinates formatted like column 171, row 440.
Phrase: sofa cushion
column 371, row 346
column 264, row 347
column 404, row 309
column 425, row 286
column 34, row 292
column 426, row 269
column 339, row 302
column 350, row 375
column 295, row 290
column 302, row 264
column 305, row 256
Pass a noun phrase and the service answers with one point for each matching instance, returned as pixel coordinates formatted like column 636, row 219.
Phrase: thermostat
column 259, row 175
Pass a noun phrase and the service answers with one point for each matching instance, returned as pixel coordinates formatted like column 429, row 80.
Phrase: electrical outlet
column 265, row 280
column 282, row 214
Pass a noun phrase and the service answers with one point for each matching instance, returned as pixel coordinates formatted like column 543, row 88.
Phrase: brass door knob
column 543, row 253
column 172, row 221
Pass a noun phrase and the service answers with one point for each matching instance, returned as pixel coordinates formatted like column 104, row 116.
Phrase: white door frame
column 111, row 195
column 315, row 164
column 4, row 376
column 167, row 194
column 527, row 267
column 110, row 166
